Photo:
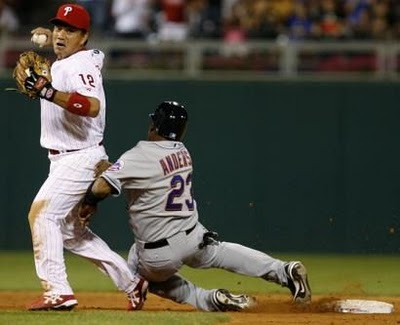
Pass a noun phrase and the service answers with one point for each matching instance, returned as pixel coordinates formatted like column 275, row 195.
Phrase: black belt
column 163, row 242
column 57, row 152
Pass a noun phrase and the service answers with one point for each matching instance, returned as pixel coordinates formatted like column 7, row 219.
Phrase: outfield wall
column 279, row 166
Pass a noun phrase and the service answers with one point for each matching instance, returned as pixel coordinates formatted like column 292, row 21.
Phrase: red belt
column 57, row 152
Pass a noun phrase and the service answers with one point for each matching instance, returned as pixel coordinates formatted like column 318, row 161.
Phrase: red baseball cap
column 72, row 15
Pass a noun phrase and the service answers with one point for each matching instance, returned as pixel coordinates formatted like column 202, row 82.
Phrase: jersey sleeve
column 114, row 183
column 86, row 79
column 133, row 170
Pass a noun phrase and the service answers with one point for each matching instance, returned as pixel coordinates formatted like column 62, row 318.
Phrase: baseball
column 39, row 39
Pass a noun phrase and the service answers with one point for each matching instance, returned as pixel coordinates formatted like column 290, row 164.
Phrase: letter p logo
column 67, row 10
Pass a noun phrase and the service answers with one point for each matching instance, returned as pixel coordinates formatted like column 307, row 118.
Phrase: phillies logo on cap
column 72, row 15
column 67, row 10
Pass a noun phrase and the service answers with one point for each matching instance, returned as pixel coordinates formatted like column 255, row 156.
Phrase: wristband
column 48, row 92
column 90, row 198
column 78, row 104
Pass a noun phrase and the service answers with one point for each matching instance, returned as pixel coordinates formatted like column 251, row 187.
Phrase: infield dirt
column 270, row 309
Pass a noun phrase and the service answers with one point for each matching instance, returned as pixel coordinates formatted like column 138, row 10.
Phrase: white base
column 356, row 306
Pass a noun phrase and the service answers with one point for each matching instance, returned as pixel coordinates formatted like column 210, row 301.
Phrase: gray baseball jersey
column 156, row 177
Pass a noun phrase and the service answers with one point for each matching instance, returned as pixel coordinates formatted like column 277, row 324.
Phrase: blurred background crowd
column 233, row 22
column 229, row 20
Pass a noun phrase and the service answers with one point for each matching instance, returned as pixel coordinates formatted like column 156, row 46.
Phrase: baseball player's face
column 67, row 41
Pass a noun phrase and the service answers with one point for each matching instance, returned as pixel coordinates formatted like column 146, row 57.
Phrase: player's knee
column 35, row 210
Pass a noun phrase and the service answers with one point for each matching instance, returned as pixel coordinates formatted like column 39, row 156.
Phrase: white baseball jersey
column 53, row 214
column 156, row 177
column 60, row 129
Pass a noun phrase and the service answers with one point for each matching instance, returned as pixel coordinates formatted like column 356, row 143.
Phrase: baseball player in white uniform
column 72, row 126
column 157, row 178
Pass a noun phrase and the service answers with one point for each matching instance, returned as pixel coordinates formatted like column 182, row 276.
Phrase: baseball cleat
column 298, row 282
column 225, row 301
column 54, row 302
column 138, row 295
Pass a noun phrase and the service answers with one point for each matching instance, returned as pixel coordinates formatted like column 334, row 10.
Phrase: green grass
column 329, row 274
column 110, row 317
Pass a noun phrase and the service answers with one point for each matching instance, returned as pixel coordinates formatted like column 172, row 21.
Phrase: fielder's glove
column 32, row 75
